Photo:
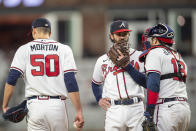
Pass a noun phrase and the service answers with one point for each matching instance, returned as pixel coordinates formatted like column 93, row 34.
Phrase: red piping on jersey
column 118, row 86
column 18, row 70
column 154, row 71
column 152, row 97
column 125, row 85
column 96, row 82
column 143, row 55
column 44, row 42
column 118, row 71
column 71, row 70
column 158, row 46
column 132, row 53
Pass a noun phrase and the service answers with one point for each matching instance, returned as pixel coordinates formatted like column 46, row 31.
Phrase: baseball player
column 166, row 82
column 48, row 69
column 115, row 91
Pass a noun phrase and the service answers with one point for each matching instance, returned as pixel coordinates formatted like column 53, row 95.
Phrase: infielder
column 166, row 82
column 48, row 69
column 115, row 91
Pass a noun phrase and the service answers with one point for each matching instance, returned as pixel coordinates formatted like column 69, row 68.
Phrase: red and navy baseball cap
column 119, row 26
column 41, row 22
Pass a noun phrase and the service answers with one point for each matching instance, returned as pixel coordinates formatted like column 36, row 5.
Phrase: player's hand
column 148, row 124
column 79, row 121
column 121, row 56
column 5, row 109
column 148, row 116
column 104, row 103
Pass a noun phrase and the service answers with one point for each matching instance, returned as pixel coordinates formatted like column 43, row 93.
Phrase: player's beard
column 124, row 43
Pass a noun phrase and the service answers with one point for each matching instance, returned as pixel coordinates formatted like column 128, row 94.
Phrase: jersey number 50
column 47, row 64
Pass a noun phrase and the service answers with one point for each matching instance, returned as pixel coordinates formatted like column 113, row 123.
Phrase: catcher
column 121, row 97
column 166, row 73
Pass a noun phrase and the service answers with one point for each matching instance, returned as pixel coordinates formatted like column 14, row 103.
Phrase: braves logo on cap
column 119, row 26
column 122, row 25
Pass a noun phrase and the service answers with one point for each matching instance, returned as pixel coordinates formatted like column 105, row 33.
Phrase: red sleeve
column 152, row 97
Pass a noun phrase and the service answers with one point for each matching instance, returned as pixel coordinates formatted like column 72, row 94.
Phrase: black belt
column 46, row 97
column 163, row 100
column 127, row 101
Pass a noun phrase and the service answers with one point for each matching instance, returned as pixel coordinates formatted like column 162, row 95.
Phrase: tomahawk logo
column 122, row 25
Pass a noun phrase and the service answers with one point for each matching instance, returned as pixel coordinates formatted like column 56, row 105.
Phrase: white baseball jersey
column 163, row 62
column 117, row 83
column 173, row 115
column 43, row 63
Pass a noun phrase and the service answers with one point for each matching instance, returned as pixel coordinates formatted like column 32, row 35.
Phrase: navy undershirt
column 97, row 91
column 13, row 76
column 137, row 76
column 70, row 82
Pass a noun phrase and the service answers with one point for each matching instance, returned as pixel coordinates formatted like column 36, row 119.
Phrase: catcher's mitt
column 149, row 126
column 114, row 54
column 17, row 113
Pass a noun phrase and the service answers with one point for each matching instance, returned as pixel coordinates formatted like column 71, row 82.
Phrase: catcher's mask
column 146, row 39
column 163, row 33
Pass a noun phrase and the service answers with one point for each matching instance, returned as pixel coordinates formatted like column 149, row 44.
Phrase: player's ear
column 111, row 36
column 155, row 41
column 34, row 33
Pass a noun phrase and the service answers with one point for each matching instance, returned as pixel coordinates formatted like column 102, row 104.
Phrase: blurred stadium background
column 84, row 26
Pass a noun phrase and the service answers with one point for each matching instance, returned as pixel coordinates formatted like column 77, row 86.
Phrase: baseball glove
column 149, row 126
column 17, row 113
column 115, row 52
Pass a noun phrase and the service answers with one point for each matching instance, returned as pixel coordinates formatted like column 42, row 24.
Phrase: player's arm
column 8, row 91
column 153, row 88
column 97, row 82
column 73, row 92
column 97, row 91
column 137, row 76
column 9, row 87
column 75, row 99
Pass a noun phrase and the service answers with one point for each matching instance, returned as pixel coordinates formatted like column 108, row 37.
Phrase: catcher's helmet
column 163, row 33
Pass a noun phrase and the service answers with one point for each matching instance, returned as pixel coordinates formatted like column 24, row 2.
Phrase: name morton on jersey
column 48, row 47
